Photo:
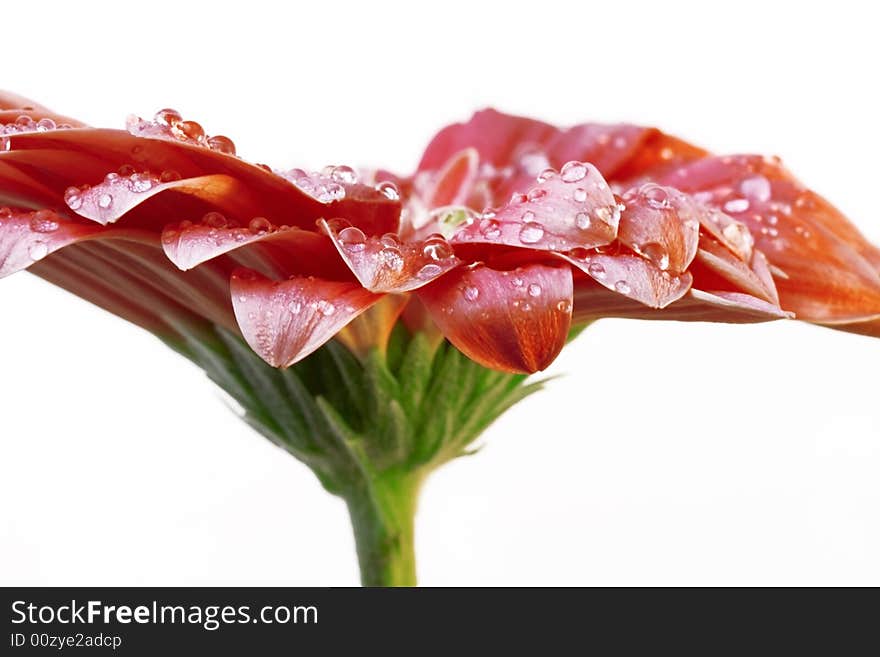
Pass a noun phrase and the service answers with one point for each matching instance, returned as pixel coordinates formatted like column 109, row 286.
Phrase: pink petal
column 285, row 321
column 118, row 195
column 27, row 237
column 515, row 321
column 284, row 249
column 494, row 135
column 570, row 210
column 631, row 276
column 387, row 264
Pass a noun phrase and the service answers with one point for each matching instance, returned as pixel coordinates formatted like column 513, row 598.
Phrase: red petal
column 570, row 210
column 630, row 276
column 285, row 321
column 515, row 321
column 385, row 264
column 661, row 224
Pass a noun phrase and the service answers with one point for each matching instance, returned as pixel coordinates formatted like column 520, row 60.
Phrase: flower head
column 509, row 232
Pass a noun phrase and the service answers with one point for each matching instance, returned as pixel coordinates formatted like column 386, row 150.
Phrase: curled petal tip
column 285, row 321
column 388, row 264
column 516, row 320
column 26, row 237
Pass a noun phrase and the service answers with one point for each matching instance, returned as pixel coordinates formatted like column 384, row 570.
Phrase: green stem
column 382, row 516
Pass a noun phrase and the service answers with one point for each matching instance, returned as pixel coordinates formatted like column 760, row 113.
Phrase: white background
column 669, row 454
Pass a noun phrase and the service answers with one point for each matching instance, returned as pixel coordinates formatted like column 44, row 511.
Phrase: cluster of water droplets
column 218, row 227
column 42, row 223
column 660, row 198
column 522, row 294
column 528, row 293
column 25, row 123
column 330, row 183
column 126, row 180
column 169, row 124
column 429, row 256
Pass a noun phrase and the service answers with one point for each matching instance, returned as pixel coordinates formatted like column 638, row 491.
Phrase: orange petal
column 515, row 321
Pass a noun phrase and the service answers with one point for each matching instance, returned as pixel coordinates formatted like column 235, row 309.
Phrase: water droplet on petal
column 535, row 290
column 188, row 130
column 141, row 182
column 215, row 220
column 294, row 307
column 582, row 220
column 330, row 192
column 736, row 205
column 564, row 306
column 656, row 253
column 105, row 201
column 326, row 308
column 38, row 251
column 43, row 221
column 471, row 293
column 756, row 188
column 596, row 270
column 573, row 171
column 580, row 195
column 221, row 144
column 622, row 287
column 531, row 233
column 344, row 175
column 392, row 258
column 389, row 190
column 436, row 247
column 73, row 198
column 352, row 239
column 546, row 175
column 390, row 241
column 169, row 176
column 656, row 196
column 429, row 271
column 167, row 117
column 537, row 194
column 490, row 229
column 528, row 216
column 259, row 225
column 44, row 125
